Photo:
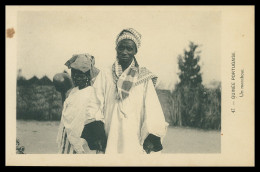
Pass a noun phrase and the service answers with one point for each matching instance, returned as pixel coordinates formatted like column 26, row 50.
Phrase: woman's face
column 126, row 50
column 79, row 78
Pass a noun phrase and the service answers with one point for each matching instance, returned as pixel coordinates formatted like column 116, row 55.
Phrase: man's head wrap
column 131, row 34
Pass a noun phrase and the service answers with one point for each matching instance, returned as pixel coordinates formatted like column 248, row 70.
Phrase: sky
column 47, row 39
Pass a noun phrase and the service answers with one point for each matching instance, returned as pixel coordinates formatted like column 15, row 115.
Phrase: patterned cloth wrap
column 135, row 76
column 129, row 33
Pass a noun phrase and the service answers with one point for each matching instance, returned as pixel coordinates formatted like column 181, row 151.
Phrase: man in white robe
column 133, row 118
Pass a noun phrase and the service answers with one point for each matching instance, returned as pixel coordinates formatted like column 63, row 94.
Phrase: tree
column 33, row 81
column 190, row 89
column 21, row 80
column 189, row 69
column 45, row 81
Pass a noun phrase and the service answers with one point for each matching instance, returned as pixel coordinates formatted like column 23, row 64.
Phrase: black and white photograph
column 128, row 81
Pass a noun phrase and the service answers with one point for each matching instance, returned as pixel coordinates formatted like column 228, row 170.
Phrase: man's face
column 126, row 49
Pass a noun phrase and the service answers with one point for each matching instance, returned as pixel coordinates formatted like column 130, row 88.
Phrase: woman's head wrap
column 84, row 63
column 131, row 34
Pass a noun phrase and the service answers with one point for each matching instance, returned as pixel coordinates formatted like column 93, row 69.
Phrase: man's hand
column 152, row 143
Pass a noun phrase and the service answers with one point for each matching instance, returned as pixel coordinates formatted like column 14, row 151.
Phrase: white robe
column 128, row 122
column 78, row 106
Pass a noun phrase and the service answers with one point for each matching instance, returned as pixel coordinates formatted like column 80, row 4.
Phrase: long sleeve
column 94, row 109
column 96, row 105
column 94, row 131
column 154, row 120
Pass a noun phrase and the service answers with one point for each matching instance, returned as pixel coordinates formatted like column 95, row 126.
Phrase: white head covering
column 131, row 34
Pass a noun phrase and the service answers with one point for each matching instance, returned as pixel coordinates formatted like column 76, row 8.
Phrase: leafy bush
column 196, row 107
column 212, row 109
column 19, row 149
column 38, row 102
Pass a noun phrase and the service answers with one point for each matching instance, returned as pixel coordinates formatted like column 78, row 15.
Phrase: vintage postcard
column 130, row 86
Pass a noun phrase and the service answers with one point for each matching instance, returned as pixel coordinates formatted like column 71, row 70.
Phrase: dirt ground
column 40, row 138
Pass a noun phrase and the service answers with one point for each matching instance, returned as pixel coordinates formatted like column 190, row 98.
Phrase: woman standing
column 78, row 105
